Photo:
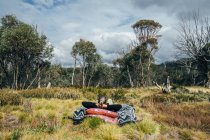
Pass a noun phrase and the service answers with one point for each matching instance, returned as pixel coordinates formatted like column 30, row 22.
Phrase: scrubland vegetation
column 46, row 114
column 30, row 111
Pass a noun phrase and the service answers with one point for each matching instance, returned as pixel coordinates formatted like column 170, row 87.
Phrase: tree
column 137, row 61
column 85, row 53
column 146, row 32
column 74, row 55
column 23, row 52
column 192, row 42
column 93, row 64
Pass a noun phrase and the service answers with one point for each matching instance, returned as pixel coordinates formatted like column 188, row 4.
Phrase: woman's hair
column 100, row 96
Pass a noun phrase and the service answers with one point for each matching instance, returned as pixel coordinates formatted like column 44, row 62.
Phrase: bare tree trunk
column 39, row 78
column 148, row 72
column 48, row 85
column 16, row 77
column 142, row 73
column 168, row 86
column 83, row 73
column 13, row 85
column 83, row 78
column 33, row 80
column 189, row 67
column 72, row 78
column 90, row 80
column 130, row 79
column 24, row 83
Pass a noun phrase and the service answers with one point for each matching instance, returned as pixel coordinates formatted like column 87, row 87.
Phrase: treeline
column 25, row 58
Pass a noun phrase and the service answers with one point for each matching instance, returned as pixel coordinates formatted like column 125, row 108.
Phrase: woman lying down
column 103, row 104
column 106, row 110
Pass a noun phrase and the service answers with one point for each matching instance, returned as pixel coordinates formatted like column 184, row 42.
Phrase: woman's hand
column 101, row 105
column 104, row 106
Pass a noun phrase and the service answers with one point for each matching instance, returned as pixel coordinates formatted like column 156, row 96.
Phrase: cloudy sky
column 107, row 23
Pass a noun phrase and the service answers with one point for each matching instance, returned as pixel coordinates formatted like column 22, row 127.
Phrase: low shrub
column 15, row 135
column 132, row 133
column 179, row 89
column 91, row 89
column 94, row 122
column 186, row 135
column 191, row 116
column 148, row 127
column 51, row 93
column 90, row 96
column 119, row 95
column 23, row 117
column 178, row 98
column 10, row 98
column 108, row 132
column 44, row 123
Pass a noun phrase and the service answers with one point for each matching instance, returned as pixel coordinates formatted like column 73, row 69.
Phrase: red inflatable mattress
column 106, row 115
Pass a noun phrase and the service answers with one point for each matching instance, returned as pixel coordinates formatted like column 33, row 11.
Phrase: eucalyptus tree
column 24, row 52
column 146, row 32
column 84, row 52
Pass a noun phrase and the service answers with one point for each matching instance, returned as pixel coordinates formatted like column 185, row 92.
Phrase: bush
column 45, row 123
column 179, row 98
column 186, row 135
column 15, row 135
column 132, row 133
column 23, row 117
column 59, row 93
column 108, row 132
column 148, row 127
column 10, row 98
column 119, row 95
column 94, row 122
column 179, row 89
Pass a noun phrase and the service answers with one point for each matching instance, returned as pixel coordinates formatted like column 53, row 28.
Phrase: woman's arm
column 89, row 104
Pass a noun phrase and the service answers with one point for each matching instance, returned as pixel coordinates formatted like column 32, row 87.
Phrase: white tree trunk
column 72, row 78
column 39, row 78
column 130, row 79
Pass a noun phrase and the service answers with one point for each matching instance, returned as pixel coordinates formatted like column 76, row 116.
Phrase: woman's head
column 101, row 99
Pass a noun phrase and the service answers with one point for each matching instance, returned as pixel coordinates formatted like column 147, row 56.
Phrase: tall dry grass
column 43, row 114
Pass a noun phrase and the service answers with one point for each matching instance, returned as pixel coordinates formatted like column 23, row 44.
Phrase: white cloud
column 47, row 3
column 106, row 23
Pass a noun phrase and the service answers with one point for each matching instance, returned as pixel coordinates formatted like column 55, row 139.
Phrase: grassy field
column 44, row 114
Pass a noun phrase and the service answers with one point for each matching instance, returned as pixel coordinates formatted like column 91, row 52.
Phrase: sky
column 106, row 23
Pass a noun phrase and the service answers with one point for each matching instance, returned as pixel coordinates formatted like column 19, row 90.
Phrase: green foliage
column 85, row 53
column 179, row 89
column 44, row 123
column 186, row 135
column 23, row 117
column 92, row 93
column 25, row 50
column 180, row 97
column 15, row 135
column 108, row 132
column 94, row 122
column 1, row 116
column 50, row 93
column 146, row 23
column 92, row 89
column 119, row 95
column 10, row 98
column 148, row 127
column 132, row 132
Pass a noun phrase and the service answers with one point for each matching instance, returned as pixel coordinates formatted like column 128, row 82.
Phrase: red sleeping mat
column 105, row 118
column 106, row 115
column 98, row 111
